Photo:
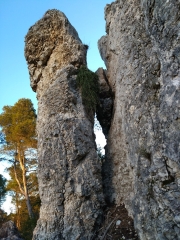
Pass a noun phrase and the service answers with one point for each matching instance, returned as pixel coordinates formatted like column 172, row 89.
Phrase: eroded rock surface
column 69, row 170
column 105, row 106
column 8, row 231
column 142, row 54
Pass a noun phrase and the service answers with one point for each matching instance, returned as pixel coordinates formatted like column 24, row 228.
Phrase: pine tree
column 18, row 124
column 24, row 223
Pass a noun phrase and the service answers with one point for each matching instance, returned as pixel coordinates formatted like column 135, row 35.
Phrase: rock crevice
column 141, row 53
column 139, row 113
column 105, row 105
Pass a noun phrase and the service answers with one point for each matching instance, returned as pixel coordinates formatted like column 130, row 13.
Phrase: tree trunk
column 24, row 191
column 29, row 207
column 28, row 203
column 18, row 223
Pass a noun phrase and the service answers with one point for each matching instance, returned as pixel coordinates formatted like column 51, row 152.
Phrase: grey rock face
column 69, row 170
column 105, row 106
column 8, row 231
column 52, row 43
column 141, row 53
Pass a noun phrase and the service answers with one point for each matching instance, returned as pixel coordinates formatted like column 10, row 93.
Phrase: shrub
column 89, row 85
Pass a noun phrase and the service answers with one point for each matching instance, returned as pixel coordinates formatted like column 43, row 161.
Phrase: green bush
column 88, row 83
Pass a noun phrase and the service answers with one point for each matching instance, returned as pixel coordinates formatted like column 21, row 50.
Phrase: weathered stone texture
column 69, row 170
column 52, row 43
column 9, row 231
column 105, row 106
column 142, row 54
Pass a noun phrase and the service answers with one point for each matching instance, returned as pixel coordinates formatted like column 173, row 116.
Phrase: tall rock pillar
column 69, row 171
column 142, row 54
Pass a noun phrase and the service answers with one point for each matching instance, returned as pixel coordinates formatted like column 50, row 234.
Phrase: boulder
column 9, row 231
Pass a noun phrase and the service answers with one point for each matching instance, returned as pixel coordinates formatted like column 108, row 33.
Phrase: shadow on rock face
column 9, row 231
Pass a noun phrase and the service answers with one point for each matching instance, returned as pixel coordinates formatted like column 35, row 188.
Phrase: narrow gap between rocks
column 100, row 138
column 117, row 224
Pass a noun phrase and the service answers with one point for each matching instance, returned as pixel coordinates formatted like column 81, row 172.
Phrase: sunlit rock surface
column 69, row 170
column 139, row 113
column 142, row 54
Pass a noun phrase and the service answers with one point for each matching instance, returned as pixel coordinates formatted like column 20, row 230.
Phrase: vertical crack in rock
column 105, row 106
column 142, row 54
column 104, row 116
column 69, row 170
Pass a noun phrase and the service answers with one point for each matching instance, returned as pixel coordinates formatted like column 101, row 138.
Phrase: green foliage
column 3, row 217
column 89, row 85
column 100, row 153
column 28, row 228
column 27, row 224
column 21, row 217
column 18, row 123
column 32, row 182
column 2, row 189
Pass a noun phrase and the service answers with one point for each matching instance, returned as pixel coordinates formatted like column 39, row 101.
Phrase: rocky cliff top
column 69, row 170
column 52, row 35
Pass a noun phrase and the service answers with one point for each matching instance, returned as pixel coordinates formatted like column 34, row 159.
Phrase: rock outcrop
column 69, row 170
column 142, row 54
column 8, row 231
column 138, row 111
column 105, row 106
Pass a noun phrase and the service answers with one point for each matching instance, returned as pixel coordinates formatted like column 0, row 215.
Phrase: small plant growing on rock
column 144, row 153
column 100, row 154
column 88, row 83
column 86, row 46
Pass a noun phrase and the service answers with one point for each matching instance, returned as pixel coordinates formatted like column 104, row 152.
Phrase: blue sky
column 16, row 17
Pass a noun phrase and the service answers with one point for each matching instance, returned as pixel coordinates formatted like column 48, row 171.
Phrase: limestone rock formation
column 8, row 231
column 142, row 54
column 69, row 170
column 105, row 106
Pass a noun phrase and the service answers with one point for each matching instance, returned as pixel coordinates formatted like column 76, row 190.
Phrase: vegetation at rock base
column 18, row 146
column 18, row 123
column 20, row 215
column 24, row 223
column 2, row 189
column 3, row 217
column 89, row 85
